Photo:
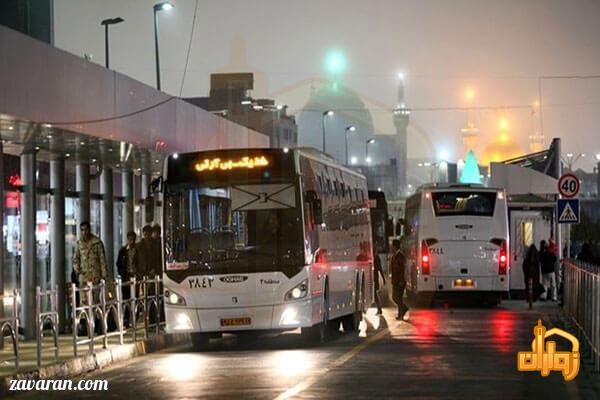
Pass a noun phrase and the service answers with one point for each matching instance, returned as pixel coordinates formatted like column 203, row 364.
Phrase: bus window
column 464, row 203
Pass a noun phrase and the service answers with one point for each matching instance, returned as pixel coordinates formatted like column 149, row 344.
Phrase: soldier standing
column 89, row 262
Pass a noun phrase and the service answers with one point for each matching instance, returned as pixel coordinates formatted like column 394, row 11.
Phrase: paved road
column 440, row 353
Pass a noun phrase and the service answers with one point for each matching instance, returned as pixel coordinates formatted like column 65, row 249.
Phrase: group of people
column 135, row 259
column 541, row 271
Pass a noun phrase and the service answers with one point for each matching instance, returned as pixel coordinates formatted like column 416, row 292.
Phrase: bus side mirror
column 316, row 207
column 149, row 208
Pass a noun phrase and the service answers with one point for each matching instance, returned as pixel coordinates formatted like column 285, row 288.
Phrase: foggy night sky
column 496, row 47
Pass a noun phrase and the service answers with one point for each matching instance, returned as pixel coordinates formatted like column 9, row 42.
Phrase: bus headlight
column 174, row 298
column 297, row 292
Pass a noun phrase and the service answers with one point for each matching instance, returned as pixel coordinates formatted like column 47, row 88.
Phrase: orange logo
column 546, row 359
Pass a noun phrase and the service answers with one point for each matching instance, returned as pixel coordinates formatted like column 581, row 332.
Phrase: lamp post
column 158, row 7
column 350, row 128
column 327, row 113
column 571, row 159
column 367, row 143
column 106, row 23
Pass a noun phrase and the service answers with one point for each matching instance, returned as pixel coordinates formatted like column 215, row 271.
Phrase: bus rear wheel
column 352, row 321
column 200, row 341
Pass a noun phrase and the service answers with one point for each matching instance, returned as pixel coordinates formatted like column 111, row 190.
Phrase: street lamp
column 367, row 143
column 106, row 23
column 327, row 113
column 571, row 159
column 350, row 128
column 159, row 7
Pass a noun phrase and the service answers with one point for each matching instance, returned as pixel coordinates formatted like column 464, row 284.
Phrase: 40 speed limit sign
column 568, row 185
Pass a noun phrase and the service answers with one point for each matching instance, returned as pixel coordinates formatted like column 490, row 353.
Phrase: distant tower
column 469, row 132
column 401, row 119
column 536, row 139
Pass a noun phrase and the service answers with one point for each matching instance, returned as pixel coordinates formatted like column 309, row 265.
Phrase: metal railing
column 100, row 306
column 46, row 316
column 143, row 303
column 581, row 301
column 10, row 324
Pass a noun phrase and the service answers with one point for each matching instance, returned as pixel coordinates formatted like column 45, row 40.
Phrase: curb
column 101, row 359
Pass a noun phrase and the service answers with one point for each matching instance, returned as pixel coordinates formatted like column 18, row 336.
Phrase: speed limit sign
column 568, row 185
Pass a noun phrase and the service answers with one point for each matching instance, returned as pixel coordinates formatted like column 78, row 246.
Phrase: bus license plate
column 236, row 321
column 464, row 283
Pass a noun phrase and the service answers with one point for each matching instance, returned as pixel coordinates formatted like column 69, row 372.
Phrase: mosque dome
column 501, row 149
column 349, row 109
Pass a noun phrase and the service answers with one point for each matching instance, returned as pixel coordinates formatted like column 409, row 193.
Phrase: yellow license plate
column 236, row 321
column 464, row 283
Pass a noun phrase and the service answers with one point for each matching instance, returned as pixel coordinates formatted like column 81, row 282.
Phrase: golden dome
column 501, row 149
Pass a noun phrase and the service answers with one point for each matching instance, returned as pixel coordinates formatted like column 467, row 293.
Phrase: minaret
column 401, row 119
column 469, row 132
column 536, row 139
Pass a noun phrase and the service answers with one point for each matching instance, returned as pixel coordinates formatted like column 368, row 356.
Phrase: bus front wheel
column 200, row 341
column 323, row 331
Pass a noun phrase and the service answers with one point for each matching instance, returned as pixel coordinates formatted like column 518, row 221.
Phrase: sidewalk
column 68, row 365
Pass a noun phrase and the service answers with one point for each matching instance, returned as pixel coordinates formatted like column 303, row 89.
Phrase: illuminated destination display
column 225, row 165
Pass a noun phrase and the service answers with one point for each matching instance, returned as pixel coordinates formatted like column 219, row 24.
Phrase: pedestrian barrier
column 46, row 316
column 10, row 325
column 97, row 312
column 581, row 301
column 145, row 300
column 100, row 302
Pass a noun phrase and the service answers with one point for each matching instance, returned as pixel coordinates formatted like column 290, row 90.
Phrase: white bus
column 264, row 239
column 457, row 242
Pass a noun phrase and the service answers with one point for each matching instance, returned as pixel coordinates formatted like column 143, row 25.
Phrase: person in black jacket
column 378, row 271
column 398, row 266
column 127, row 262
column 531, row 272
column 547, row 261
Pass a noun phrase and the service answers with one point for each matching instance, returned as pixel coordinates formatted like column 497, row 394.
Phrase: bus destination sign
column 226, row 165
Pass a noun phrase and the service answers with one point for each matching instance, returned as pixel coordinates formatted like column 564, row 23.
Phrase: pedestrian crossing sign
column 568, row 211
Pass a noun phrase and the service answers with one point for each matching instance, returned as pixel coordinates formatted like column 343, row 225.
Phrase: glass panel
column 464, row 203
column 70, row 234
column 12, row 240
column 42, row 237
column 232, row 229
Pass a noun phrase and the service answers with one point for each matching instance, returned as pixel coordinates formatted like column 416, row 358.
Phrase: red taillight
column 425, row 259
column 502, row 259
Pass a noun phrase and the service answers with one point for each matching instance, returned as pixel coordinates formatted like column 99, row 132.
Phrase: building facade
column 230, row 98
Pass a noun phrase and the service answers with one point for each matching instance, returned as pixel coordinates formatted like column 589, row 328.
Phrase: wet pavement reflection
column 442, row 352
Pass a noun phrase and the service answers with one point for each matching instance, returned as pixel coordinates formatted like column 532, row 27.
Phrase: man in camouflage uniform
column 89, row 261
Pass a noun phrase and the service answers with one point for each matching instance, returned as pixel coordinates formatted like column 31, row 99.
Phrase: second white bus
column 456, row 241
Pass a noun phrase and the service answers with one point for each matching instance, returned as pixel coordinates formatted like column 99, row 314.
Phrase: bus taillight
column 425, row 259
column 502, row 259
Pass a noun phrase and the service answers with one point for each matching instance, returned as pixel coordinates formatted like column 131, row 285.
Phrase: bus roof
column 455, row 186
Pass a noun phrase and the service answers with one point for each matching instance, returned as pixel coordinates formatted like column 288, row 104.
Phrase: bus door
column 526, row 227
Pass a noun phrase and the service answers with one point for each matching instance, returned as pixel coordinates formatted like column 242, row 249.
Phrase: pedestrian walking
column 156, row 250
column 127, row 262
column 547, row 261
column 145, row 252
column 377, row 273
column 531, row 273
column 398, row 267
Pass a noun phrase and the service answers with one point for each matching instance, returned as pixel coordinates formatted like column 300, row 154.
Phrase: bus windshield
column 464, row 203
column 233, row 229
